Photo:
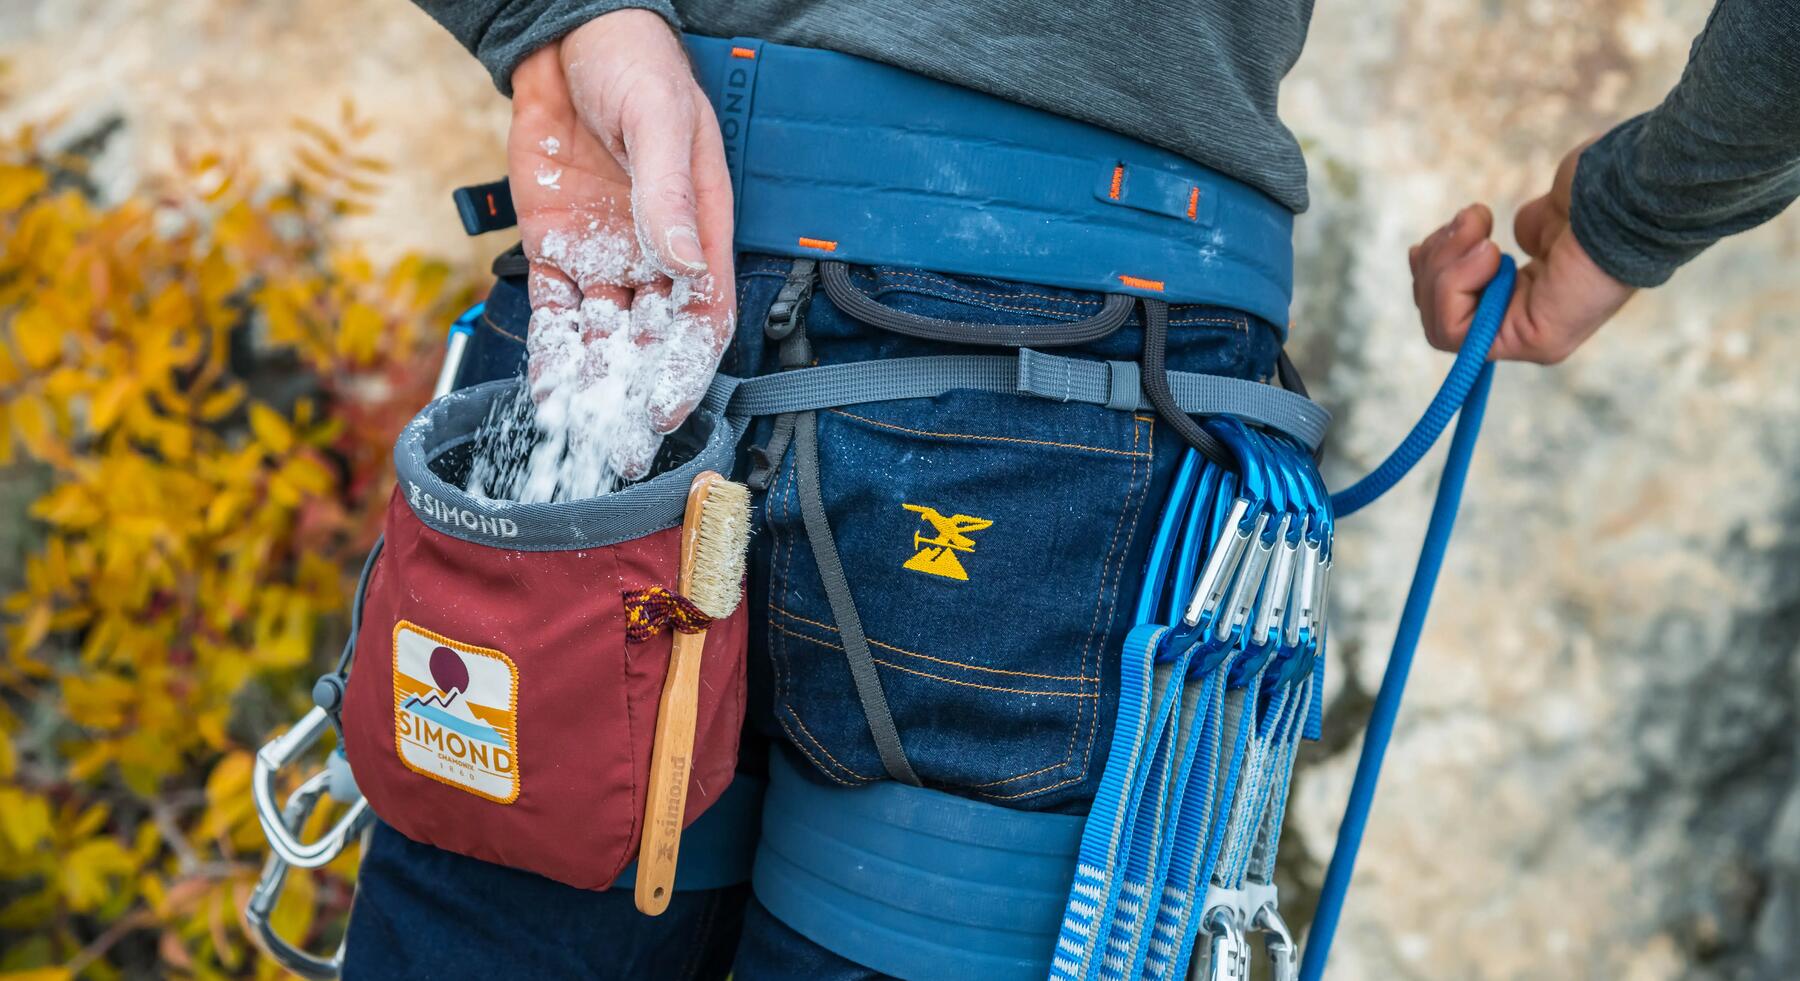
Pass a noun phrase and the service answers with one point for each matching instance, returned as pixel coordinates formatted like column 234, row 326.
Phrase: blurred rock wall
column 1597, row 772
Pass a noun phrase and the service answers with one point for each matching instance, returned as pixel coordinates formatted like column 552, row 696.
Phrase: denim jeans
column 992, row 543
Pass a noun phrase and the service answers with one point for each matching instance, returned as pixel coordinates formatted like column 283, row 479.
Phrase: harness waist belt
column 837, row 157
column 915, row 883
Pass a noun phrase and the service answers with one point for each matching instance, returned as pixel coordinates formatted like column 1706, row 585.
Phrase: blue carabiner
column 1162, row 545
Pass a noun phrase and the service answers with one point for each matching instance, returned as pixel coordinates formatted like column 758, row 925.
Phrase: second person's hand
column 1561, row 299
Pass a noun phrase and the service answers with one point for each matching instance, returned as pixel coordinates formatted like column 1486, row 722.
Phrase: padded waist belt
column 837, row 157
column 915, row 883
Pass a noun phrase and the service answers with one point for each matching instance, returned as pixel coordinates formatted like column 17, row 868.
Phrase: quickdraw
column 1184, row 832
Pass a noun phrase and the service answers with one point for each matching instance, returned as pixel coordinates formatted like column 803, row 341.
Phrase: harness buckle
column 788, row 313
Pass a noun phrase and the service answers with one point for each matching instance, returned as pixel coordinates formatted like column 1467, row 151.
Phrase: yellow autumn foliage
column 205, row 386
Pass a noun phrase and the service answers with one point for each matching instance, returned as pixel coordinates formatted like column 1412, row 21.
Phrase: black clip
column 485, row 207
column 788, row 313
column 762, row 469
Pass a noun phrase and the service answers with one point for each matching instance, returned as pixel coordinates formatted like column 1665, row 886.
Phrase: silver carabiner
column 258, row 912
column 1278, row 940
column 1227, row 953
column 283, row 841
column 1273, row 612
column 1236, row 612
column 1214, row 581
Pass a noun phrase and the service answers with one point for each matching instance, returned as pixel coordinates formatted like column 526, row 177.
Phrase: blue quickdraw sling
column 1253, row 639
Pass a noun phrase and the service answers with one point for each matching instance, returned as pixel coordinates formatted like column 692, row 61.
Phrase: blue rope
column 1452, row 395
column 1466, row 389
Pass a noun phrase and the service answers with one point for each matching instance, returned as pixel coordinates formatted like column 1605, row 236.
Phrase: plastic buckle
column 485, row 207
column 788, row 313
column 762, row 469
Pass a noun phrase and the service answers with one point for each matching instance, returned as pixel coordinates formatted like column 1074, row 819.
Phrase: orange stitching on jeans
column 496, row 328
column 822, row 244
column 794, row 741
column 957, row 664
column 995, row 783
column 964, row 294
column 816, row 741
column 1117, row 181
column 1138, row 282
column 743, row 53
column 935, row 677
column 1236, row 323
column 1193, row 204
column 996, row 294
column 994, row 439
column 782, row 666
column 994, row 304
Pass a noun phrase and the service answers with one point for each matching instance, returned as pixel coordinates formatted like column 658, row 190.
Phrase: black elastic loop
column 843, row 606
column 1156, row 388
column 836, row 277
column 1289, row 375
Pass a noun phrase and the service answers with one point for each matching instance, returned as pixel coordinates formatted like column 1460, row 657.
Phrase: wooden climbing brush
column 715, row 533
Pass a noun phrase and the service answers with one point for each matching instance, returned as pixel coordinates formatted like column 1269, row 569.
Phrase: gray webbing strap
column 1047, row 376
column 843, row 605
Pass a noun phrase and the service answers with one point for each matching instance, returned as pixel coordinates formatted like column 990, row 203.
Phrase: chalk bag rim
column 451, row 421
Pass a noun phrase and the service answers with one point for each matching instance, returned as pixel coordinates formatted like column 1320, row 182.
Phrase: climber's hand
column 624, row 203
column 1561, row 299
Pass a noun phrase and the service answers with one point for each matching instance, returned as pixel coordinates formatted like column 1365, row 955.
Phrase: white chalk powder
column 599, row 375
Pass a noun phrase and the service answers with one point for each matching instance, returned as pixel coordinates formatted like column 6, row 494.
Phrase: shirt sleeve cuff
column 1621, row 240
column 521, row 28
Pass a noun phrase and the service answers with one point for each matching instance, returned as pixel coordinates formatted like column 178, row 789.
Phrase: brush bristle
column 718, row 579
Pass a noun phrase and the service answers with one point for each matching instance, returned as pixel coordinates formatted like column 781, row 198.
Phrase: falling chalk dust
column 599, row 373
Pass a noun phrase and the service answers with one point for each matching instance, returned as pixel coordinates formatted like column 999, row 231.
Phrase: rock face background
column 1597, row 772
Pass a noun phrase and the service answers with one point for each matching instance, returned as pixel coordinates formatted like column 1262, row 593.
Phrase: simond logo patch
column 936, row 555
column 455, row 517
column 456, row 713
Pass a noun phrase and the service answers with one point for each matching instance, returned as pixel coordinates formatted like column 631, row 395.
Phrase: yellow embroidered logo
column 456, row 713
column 936, row 556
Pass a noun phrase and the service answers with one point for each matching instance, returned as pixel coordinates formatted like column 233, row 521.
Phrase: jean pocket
column 986, row 540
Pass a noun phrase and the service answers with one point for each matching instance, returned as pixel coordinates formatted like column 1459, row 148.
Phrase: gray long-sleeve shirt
column 1720, row 155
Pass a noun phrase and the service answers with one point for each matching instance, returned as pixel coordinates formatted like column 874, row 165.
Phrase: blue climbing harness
column 1222, row 675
